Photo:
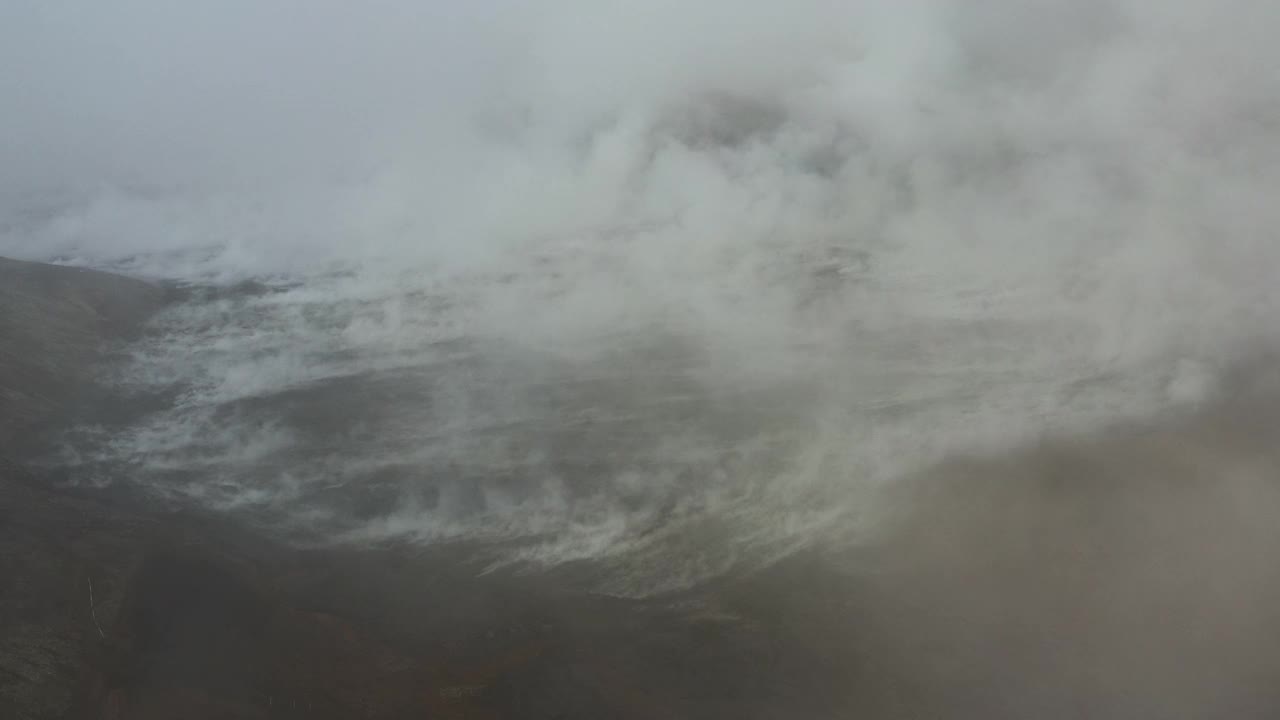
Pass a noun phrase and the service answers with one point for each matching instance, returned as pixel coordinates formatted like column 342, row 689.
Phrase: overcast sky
column 291, row 131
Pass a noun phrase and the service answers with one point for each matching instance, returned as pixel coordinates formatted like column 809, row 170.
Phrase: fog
column 927, row 345
column 755, row 257
column 292, row 133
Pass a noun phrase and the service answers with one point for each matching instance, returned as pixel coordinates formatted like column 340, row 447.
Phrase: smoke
column 819, row 242
column 1127, row 574
column 276, row 134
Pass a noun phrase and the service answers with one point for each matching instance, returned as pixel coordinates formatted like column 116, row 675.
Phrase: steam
column 408, row 129
column 783, row 251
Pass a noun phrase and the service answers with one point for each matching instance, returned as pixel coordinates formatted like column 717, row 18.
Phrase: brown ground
column 114, row 609
column 1126, row 576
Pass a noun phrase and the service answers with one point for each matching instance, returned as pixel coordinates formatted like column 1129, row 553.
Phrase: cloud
column 963, row 222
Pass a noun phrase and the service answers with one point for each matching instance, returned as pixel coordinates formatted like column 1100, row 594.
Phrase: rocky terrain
column 113, row 608
column 1129, row 574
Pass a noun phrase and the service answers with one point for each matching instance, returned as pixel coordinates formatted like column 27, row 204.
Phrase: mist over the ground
column 277, row 136
column 650, row 279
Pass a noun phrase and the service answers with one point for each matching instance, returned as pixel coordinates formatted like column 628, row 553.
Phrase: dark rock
column 1131, row 574
column 57, row 325
column 116, row 609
